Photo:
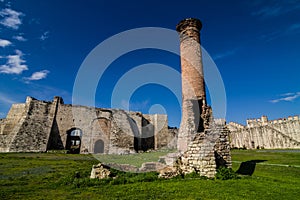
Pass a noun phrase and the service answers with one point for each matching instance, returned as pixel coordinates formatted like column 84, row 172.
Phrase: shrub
column 224, row 173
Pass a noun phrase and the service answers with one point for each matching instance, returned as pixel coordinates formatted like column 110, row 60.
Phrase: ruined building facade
column 264, row 133
column 39, row 126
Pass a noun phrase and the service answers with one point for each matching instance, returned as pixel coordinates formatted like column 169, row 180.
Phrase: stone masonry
column 262, row 133
column 203, row 143
column 39, row 126
column 193, row 88
column 208, row 151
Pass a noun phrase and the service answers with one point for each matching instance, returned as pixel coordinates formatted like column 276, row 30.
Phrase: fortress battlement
column 264, row 133
column 264, row 121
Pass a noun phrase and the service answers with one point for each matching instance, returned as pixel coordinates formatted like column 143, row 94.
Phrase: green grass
column 64, row 176
column 132, row 159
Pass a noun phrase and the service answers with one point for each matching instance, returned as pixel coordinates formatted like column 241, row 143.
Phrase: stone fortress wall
column 39, row 126
column 264, row 133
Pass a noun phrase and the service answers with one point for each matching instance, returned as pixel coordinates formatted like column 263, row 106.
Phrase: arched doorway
column 99, row 146
column 147, row 135
column 74, row 140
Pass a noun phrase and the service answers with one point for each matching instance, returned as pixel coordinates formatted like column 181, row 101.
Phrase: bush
column 224, row 173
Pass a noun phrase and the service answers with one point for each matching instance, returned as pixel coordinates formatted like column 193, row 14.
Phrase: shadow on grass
column 248, row 167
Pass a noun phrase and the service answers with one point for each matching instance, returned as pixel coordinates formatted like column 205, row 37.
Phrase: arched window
column 76, row 132
column 74, row 140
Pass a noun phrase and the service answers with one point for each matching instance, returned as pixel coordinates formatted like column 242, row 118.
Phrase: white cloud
column 287, row 97
column 45, row 35
column 19, row 38
column 4, row 43
column 38, row 75
column 11, row 18
column 14, row 64
column 287, row 94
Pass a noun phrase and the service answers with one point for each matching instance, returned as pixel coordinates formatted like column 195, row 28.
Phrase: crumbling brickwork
column 202, row 143
column 208, row 151
column 193, row 87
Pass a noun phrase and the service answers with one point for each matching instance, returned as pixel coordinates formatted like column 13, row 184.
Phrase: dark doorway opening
column 74, row 140
column 147, row 139
column 99, row 146
column 252, row 144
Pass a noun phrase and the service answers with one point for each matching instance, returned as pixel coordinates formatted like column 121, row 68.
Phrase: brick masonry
column 203, row 143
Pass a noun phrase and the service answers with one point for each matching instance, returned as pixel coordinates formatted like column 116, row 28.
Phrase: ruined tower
column 193, row 86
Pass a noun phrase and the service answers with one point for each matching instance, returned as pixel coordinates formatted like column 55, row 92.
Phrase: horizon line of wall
column 264, row 121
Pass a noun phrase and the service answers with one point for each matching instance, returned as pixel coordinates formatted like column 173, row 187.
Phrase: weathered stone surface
column 28, row 126
column 193, row 87
column 169, row 159
column 206, row 152
column 168, row 172
column 204, row 144
column 38, row 126
column 100, row 171
column 151, row 167
column 261, row 133
column 124, row 167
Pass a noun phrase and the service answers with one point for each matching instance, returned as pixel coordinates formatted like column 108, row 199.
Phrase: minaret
column 193, row 86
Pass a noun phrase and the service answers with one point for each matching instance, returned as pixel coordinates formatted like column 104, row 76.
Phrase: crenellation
column 280, row 133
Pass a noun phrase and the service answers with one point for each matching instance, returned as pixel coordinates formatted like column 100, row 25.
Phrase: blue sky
column 254, row 44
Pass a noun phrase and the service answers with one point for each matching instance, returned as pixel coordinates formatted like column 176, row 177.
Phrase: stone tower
column 193, row 86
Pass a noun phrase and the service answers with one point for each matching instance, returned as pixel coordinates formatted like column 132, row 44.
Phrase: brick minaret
column 193, row 87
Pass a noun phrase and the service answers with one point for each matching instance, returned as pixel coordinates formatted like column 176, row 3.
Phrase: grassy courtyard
column 65, row 176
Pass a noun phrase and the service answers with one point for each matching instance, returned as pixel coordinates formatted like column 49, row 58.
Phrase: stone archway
column 100, row 137
column 73, row 143
column 99, row 146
